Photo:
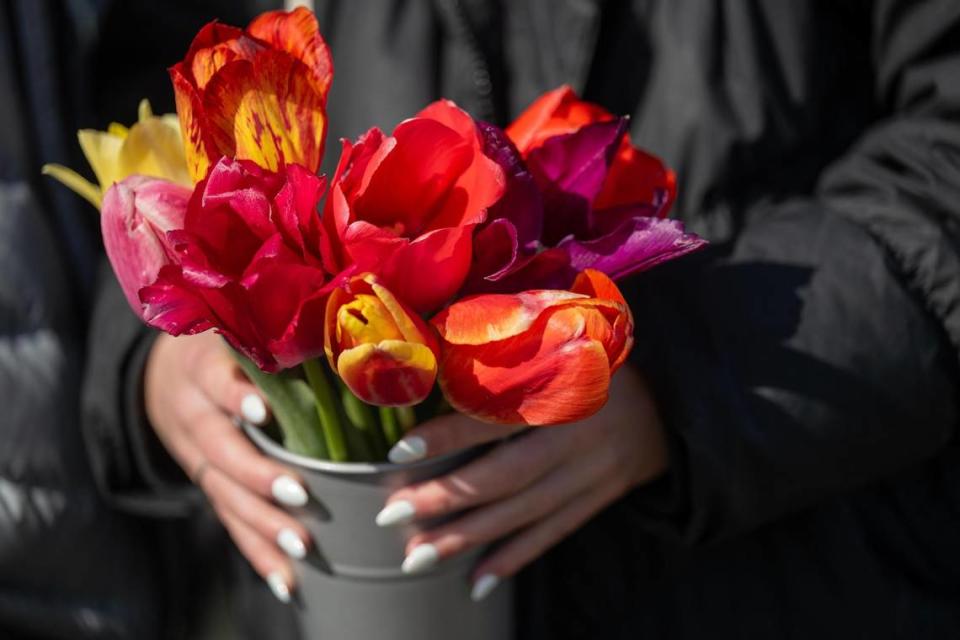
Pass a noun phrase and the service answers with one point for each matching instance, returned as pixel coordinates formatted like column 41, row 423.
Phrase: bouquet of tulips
column 448, row 254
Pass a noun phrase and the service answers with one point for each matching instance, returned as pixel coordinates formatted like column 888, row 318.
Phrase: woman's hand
column 193, row 389
column 539, row 486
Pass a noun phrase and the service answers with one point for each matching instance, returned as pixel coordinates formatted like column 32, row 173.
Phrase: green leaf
column 294, row 408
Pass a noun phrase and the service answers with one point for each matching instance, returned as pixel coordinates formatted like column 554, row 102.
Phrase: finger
column 228, row 450
column 265, row 559
column 183, row 450
column 487, row 524
column 444, row 434
column 268, row 521
column 530, row 544
column 222, row 380
column 506, row 470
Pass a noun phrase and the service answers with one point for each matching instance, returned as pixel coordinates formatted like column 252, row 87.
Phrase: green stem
column 391, row 426
column 292, row 404
column 364, row 421
column 326, row 410
column 407, row 418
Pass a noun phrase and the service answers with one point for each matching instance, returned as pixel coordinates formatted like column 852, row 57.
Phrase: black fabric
column 69, row 566
column 805, row 365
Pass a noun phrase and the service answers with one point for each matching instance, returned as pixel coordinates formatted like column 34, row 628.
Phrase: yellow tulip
column 151, row 147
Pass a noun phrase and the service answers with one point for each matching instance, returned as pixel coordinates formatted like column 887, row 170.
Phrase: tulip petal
column 637, row 245
column 75, row 182
column 445, row 254
column 637, row 177
column 267, row 110
column 411, row 327
column 210, row 35
column 389, row 373
column 101, row 150
column 442, row 260
column 481, row 184
column 206, row 62
column 571, row 170
column 554, row 113
column 596, row 284
column 297, row 33
column 488, row 318
column 197, row 144
column 412, row 176
column 521, row 202
column 296, row 211
column 496, row 250
column 556, row 375
column 548, row 269
column 154, row 147
column 172, row 305
column 135, row 217
column 289, row 304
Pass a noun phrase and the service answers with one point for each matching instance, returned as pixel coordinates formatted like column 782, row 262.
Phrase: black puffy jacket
column 63, row 552
column 806, row 365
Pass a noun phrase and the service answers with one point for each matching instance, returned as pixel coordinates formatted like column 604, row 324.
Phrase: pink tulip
column 134, row 219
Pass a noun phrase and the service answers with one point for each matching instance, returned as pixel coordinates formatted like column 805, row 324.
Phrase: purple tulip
column 552, row 222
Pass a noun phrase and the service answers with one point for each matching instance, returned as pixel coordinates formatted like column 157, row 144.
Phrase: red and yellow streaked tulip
column 539, row 357
column 257, row 94
column 380, row 348
column 151, row 147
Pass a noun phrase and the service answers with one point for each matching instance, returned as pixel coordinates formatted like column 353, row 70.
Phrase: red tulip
column 383, row 351
column 251, row 265
column 405, row 206
column 258, row 94
column 539, row 357
column 136, row 214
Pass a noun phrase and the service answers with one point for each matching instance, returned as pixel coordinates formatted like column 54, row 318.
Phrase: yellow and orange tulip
column 380, row 348
column 538, row 357
column 257, row 94
column 151, row 147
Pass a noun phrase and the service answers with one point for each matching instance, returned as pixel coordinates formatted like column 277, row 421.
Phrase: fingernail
column 288, row 491
column 253, row 409
column 408, row 449
column 483, row 586
column 279, row 587
column 420, row 559
column 292, row 545
column 396, row 513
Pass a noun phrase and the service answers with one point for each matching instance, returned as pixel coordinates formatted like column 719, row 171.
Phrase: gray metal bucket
column 350, row 586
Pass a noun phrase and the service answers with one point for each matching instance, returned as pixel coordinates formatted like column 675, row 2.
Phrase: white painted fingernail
column 408, row 449
column 253, row 409
column 279, row 587
column 396, row 513
column 288, row 491
column 420, row 559
column 483, row 586
column 292, row 545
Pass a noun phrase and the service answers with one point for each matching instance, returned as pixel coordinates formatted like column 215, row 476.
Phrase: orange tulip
column 383, row 351
column 539, row 357
column 258, row 94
